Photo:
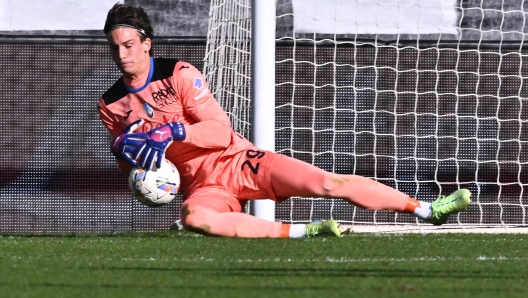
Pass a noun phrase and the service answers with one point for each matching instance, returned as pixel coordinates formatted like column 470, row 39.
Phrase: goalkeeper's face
column 130, row 54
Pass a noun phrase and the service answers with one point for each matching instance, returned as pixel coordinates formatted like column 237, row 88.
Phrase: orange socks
column 418, row 208
column 411, row 205
column 285, row 231
column 293, row 231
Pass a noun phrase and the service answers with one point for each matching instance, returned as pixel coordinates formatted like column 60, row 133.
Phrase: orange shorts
column 235, row 180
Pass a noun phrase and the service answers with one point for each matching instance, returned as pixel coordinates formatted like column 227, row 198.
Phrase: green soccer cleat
column 444, row 206
column 322, row 228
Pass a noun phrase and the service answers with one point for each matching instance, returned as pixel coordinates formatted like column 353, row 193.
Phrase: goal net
column 424, row 96
column 227, row 63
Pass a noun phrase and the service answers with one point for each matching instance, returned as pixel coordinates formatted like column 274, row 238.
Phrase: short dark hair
column 136, row 17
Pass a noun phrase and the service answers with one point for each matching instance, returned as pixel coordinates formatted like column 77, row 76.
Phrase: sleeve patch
column 198, row 84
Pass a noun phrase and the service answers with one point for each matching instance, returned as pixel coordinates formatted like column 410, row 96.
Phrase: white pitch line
column 430, row 229
column 331, row 260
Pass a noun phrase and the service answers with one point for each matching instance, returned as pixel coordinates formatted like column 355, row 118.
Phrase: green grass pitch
column 180, row 264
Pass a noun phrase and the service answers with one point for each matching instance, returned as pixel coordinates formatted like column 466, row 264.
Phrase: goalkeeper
column 162, row 108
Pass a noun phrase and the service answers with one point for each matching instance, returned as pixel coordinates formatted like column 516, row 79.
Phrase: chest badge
column 149, row 110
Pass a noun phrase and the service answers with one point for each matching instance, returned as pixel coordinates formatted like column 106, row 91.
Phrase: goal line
column 430, row 229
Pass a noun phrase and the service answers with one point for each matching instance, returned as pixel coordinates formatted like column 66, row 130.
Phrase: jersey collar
column 149, row 79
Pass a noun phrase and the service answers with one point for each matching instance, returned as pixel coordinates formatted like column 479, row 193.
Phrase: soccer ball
column 155, row 187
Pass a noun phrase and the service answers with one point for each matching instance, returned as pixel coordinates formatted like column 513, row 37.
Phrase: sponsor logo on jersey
column 198, row 83
column 164, row 97
column 149, row 110
column 148, row 125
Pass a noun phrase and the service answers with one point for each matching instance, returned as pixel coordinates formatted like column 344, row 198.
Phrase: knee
column 194, row 218
column 333, row 182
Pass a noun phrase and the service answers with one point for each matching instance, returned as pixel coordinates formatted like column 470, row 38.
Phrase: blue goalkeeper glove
column 157, row 141
column 124, row 144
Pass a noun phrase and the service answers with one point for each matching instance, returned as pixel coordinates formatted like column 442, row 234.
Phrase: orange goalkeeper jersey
column 176, row 91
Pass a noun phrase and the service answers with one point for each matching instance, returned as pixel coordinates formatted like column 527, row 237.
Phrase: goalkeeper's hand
column 157, row 141
column 124, row 144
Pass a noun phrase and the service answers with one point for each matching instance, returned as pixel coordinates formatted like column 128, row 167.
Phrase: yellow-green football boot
column 444, row 206
column 328, row 228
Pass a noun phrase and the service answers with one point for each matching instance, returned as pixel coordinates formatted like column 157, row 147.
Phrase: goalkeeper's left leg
column 215, row 212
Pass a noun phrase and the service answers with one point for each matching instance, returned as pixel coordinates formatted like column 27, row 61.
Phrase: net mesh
column 433, row 110
column 425, row 121
column 227, row 64
column 440, row 107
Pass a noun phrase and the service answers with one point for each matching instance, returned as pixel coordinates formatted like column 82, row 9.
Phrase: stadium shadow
column 333, row 272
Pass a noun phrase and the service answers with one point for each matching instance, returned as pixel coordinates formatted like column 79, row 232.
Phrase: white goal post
column 237, row 39
column 424, row 96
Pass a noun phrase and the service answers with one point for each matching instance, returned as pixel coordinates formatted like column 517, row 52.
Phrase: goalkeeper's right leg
column 291, row 177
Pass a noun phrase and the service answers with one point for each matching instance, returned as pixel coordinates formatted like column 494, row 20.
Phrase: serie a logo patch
column 198, row 83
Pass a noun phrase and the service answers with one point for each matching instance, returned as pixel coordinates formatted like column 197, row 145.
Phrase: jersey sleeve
column 109, row 120
column 213, row 127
